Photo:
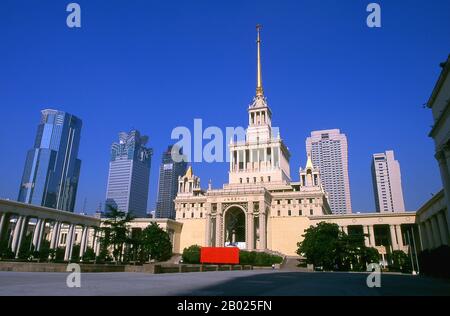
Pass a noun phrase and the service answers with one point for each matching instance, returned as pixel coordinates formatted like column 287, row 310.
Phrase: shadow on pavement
column 323, row 283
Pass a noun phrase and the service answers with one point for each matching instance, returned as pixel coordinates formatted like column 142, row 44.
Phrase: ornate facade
column 250, row 211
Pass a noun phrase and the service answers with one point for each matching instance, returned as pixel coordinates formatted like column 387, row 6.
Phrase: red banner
column 219, row 255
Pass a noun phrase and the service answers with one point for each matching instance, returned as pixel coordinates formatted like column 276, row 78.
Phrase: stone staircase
column 290, row 263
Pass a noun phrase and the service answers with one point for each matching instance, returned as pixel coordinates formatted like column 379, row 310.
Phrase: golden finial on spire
column 259, row 87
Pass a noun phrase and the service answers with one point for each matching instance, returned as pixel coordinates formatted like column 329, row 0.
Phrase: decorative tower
column 262, row 157
column 189, row 184
column 310, row 177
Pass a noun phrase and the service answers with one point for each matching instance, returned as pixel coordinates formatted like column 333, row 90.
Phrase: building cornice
column 430, row 202
column 439, row 83
column 363, row 215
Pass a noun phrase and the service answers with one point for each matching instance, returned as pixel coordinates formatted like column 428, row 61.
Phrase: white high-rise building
column 387, row 183
column 328, row 151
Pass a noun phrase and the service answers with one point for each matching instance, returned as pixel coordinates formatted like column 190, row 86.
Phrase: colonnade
column 16, row 219
column 395, row 235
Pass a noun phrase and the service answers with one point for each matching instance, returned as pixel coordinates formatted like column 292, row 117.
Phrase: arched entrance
column 234, row 229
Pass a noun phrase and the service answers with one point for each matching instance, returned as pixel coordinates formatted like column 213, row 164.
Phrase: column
column 262, row 226
column 55, row 235
column 366, row 236
column 443, row 158
column 265, row 158
column 250, row 227
column 84, row 240
column 421, row 238
column 4, row 224
column 398, row 230
column 97, row 244
column 19, row 231
column 345, row 229
column 41, row 235
column 37, row 230
column 435, row 231
column 430, row 238
column 208, row 230
column 16, row 233
column 69, row 243
column 394, row 243
column 443, row 228
column 245, row 159
column 272, row 160
column 219, row 224
column 372, row 236
column 23, row 231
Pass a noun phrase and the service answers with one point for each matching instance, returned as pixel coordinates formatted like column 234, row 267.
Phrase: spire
column 309, row 163
column 189, row 173
column 259, row 87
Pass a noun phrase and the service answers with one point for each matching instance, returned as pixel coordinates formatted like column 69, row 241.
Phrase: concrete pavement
column 245, row 283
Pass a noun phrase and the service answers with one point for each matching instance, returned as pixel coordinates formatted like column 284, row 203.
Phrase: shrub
column 191, row 254
column 75, row 253
column 400, row 262
column 260, row 259
column 89, row 254
column 59, row 253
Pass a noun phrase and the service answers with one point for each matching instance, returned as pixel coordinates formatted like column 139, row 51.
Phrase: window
column 268, row 179
column 201, row 214
column 311, row 212
column 192, row 204
column 278, row 213
column 289, row 201
column 278, row 202
column 240, row 180
column 300, row 213
column 192, row 215
column 184, row 215
column 289, row 213
column 63, row 238
column 248, row 180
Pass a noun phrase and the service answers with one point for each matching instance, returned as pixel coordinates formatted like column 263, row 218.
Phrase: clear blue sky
column 154, row 65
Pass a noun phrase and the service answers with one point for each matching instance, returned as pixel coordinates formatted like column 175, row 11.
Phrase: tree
column 371, row 255
column 320, row 245
column 400, row 261
column 155, row 243
column 89, row 254
column 115, row 232
column 191, row 254
column 325, row 245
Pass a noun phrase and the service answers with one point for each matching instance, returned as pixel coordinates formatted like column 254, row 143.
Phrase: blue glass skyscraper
column 52, row 167
column 129, row 174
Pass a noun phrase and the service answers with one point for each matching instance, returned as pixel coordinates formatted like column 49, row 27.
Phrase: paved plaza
column 248, row 283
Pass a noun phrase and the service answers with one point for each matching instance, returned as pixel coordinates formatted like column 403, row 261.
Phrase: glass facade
column 169, row 171
column 52, row 168
column 129, row 174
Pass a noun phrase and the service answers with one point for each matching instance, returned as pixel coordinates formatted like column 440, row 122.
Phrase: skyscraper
column 129, row 173
column 169, row 171
column 52, row 168
column 329, row 152
column 387, row 183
